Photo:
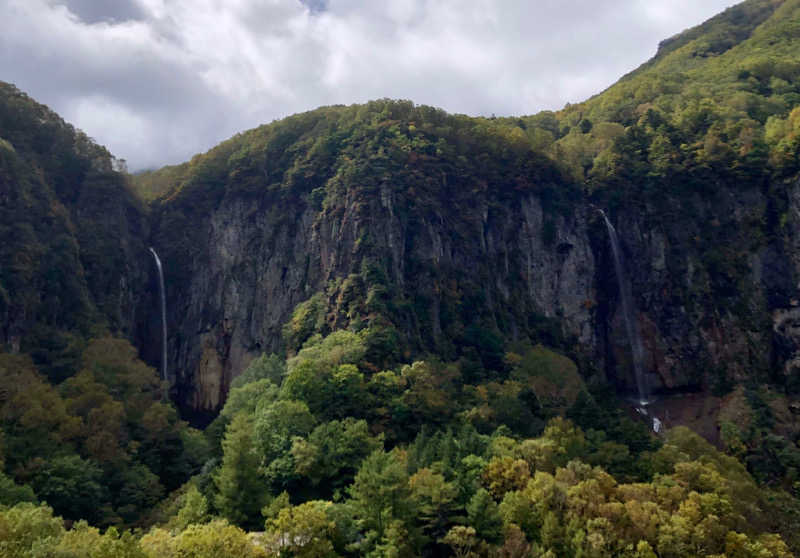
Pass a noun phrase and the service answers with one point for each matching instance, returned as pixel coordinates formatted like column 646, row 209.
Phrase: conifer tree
column 241, row 492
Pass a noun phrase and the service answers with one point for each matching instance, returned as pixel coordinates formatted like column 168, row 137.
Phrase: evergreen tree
column 241, row 490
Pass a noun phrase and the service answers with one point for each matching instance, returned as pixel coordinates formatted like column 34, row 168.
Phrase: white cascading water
column 637, row 352
column 163, row 315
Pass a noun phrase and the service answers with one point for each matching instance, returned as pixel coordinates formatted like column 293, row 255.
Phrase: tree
column 515, row 545
column 137, row 489
column 334, row 451
column 276, row 426
column 518, row 509
column 503, row 474
column 568, row 438
column 303, row 531
column 266, row 367
column 12, row 493
column 34, row 417
column 25, row 525
column 380, row 490
column 217, row 539
column 434, row 501
column 241, row 491
column 324, row 375
column 73, row 486
column 431, row 391
column 85, row 541
column 194, row 509
column 462, row 540
column 248, row 397
column 483, row 515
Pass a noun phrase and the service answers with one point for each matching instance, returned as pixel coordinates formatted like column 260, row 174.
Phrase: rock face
column 711, row 277
column 714, row 279
column 260, row 262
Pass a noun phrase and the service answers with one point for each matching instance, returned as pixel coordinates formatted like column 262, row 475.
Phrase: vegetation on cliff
column 719, row 98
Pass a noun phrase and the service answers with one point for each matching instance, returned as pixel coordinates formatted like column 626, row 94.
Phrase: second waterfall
column 628, row 314
column 163, row 315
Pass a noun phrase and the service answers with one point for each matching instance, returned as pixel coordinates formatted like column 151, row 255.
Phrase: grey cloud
column 315, row 6
column 96, row 11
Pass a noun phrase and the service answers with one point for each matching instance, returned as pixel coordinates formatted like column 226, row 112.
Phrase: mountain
column 72, row 257
column 420, row 227
column 453, row 235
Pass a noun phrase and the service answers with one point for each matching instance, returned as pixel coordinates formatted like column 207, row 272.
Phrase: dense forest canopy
column 378, row 429
column 339, row 460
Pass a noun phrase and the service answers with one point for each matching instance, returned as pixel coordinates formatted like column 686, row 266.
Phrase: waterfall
column 163, row 315
column 657, row 425
column 628, row 315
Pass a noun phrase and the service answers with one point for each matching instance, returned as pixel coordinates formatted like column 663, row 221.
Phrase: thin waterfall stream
column 629, row 317
column 163, row 315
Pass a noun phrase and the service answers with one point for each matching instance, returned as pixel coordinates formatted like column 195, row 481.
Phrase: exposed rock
column 703, row 285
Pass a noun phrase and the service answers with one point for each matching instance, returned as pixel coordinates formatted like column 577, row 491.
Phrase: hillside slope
column 72, row 236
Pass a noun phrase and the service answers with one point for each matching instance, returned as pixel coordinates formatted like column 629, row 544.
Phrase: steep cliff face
column 455, row 235
column 510, row 268
column 448, row 269
column 428, row 245
column 715, row 281
column 455, row 253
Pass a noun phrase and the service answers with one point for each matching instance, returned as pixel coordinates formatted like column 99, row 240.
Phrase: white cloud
column 158, row 80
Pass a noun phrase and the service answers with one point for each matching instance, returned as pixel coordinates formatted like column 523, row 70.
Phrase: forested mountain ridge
column 73, row 238
column 441, row 293
column 719, row 95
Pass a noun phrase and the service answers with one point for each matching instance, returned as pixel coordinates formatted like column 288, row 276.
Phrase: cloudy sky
column 159, row 80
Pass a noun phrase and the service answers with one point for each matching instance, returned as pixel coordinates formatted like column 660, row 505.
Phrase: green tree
column 241, row 491
column 217, row 539
column 27, row 526
column 484, row 516
column 303, row 531
column 248, row 397
column 431, row 391
column 266, row 367
column 12, row 493
column 434, row 501
column 194, row 510
column 83, row 541
column 73, row 486
column 380, row 491
column 324, row 375
column 276, row 425
column 333, row 452
column 462, row 540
